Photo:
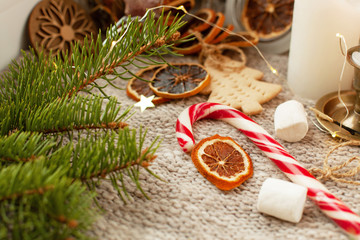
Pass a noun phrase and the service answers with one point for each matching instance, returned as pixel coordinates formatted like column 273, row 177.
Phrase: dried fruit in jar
column 267, row 18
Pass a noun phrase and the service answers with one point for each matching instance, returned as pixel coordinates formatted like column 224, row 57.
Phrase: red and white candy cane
column 328, row 203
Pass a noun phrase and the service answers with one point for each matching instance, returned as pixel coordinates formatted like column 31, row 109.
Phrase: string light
column 113, row 44
column 334, row 134
column 182, row 8
column 272, row 69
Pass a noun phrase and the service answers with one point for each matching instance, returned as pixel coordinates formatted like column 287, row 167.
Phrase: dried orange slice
column 194, row 46
column 237, row 41
column 210, row 33
column 179, row 80
column 268, row 19
column 222, row 161
column 189, row 47
column 223, row 34
column 137, row 87
column 197, row 25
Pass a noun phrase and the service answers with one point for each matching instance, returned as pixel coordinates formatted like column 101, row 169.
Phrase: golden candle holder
column 341, row 121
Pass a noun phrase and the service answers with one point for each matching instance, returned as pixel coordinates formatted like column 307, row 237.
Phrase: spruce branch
column 111, row 155
column 16, row 175
column 89, row 159
column 24, row 147
column 77, row 113
column 57, row 78
column 38, row 191
column 57, row 136
column 145, row 162
column 41, row 204
column 110, row 68
column 120, row 48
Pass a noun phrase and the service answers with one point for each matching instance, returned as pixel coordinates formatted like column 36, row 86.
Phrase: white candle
column 315, row 59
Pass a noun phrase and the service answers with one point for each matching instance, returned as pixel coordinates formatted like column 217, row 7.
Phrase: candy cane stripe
column 265, row 137
column 335, row 207
column 246, row 125
column 291, row 168
column 349, row 227
column 280, row 157
column 270, row 151
column 184, row 129
column 315, row 192
column 328, row 203
column 336, row 216
column 308, row 181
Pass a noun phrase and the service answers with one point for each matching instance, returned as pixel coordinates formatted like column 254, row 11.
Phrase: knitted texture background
column 186, row 206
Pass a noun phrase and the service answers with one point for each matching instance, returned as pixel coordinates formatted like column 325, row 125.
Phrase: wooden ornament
column 56, row 24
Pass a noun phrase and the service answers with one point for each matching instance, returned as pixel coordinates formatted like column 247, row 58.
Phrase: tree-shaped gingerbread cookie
column 234, row 84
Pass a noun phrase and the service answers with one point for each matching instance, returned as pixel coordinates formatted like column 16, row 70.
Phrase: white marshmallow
column 282, row 199
column 290, row 121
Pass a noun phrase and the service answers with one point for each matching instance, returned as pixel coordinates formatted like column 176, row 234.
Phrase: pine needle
column 57, row 144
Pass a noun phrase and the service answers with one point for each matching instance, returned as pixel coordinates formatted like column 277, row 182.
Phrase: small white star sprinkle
column 145, row 102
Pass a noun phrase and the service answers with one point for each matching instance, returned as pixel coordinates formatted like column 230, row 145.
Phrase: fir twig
column 113, row 56
column 35, row 200
column 95, row 159
column 51, row 143
column 24, row 147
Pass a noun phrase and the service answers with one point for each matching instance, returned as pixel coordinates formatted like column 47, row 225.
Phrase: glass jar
column 278, row 44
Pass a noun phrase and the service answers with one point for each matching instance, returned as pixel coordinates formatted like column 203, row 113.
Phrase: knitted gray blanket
column 187, row 206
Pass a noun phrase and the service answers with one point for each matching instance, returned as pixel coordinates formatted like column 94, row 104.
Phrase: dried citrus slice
column 197, row 25
column 194, row 46
column 223, row 34
column 210, row 33
column 238, row 41
column 189, row 47
column 137, row 87
column 268, row 19
column 222, row 161
column 179, row 80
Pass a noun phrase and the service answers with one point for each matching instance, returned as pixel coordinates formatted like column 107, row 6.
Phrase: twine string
column 328, row 172
column 214, row 53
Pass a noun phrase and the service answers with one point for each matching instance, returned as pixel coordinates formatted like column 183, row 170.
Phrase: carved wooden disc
column 55, row 24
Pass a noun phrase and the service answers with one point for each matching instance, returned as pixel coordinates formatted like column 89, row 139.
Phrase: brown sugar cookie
column 55, row 24
column 238, row 86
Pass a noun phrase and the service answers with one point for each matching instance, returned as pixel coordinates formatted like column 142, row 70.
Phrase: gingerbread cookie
column 235, row 85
